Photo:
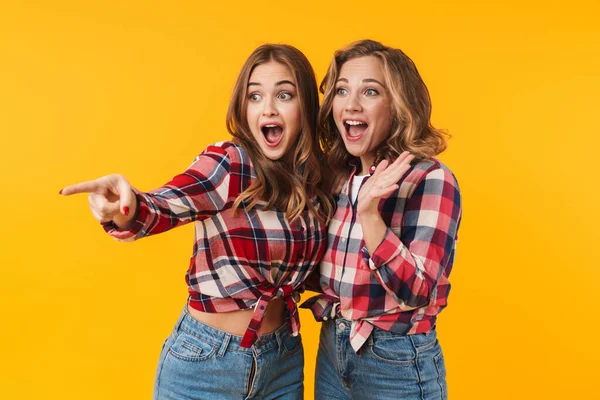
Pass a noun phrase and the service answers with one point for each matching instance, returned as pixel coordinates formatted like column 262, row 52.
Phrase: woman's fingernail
column 126, row 210
column 60, row 191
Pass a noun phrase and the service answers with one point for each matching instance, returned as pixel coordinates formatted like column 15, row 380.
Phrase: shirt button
column 301, row 229
column 343, row 240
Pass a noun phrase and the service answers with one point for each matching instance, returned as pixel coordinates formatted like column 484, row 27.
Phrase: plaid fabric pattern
column 403, row 285
column 239, row 261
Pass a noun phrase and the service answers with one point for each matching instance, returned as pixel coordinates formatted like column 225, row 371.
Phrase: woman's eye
column 254, row 97
column 285, row 96
column 371, row 92
column 341, row 92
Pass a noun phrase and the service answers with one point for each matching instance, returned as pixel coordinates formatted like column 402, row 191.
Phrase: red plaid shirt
column 403, row 285
column 238, row 262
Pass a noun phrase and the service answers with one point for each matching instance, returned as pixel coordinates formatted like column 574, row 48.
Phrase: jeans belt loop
column 224, row 345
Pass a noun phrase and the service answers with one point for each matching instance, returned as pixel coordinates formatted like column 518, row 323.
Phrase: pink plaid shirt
column 403, row 285
column 238, row 262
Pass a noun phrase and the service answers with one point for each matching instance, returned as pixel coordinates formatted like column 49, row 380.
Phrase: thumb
column 125, row 195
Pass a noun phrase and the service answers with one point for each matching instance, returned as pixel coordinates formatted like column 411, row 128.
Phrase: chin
column 272, row 155
column 355, row 152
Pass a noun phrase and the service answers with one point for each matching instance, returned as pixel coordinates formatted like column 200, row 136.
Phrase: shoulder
column 432, row 173
column 227, row 151
column 429, row 169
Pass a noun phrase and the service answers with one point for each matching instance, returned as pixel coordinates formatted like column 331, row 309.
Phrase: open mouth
column 273, row 134
column 355, row 129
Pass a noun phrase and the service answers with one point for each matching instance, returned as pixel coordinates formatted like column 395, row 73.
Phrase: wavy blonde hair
column 288, row 185
column 411, row 108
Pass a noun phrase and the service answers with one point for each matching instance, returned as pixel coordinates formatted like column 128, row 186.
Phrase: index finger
column 83, row 187
column 403, row 157
column 125, row 195
column 402, row 162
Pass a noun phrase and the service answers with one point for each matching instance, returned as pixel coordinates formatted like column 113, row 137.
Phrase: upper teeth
column 355, row 123
column 271, row 126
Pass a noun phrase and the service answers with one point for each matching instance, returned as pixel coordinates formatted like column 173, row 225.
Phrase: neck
column 365, row 164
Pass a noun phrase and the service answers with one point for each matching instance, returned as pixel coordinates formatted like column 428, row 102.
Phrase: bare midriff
column 236, row 322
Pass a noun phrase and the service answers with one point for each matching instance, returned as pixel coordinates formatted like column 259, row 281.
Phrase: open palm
column 382, row 183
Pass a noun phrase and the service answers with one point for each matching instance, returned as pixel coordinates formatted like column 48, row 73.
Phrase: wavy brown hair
column 411, row 108
column 293, row 183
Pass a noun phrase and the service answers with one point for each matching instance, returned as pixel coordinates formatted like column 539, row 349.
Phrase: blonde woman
column 384, row 276
column 259, row 215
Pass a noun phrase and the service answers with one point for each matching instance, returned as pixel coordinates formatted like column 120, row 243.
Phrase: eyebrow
column 279, row 83
column 368, row 80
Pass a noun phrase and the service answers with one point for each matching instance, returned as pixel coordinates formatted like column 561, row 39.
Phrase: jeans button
column 341, row 326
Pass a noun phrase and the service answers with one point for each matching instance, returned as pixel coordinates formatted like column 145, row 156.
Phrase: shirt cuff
column 390, row 247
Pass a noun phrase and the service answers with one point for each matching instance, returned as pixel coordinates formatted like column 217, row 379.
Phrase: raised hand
column 382, row 183
column 110, row 198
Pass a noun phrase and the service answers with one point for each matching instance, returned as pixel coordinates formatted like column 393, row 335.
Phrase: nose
column 270, row 108
column 353, row 103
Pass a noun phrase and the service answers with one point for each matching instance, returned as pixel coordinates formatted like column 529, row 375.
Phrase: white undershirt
column 356, row 182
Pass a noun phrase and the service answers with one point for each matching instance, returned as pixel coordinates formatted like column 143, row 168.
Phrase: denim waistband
column 343, row 326
column 227, row 341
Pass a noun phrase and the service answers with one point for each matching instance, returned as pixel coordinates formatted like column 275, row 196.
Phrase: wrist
column 369, row 213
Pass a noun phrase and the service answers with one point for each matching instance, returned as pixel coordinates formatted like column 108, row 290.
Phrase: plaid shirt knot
column 287, row 292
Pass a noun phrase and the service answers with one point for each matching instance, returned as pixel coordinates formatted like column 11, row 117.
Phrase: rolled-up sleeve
column 409, row 266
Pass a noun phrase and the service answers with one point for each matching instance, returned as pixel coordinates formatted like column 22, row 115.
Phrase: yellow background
column 141, row 87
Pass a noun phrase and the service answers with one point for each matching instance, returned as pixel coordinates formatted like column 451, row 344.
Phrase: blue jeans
column 201, row 362
column 388, row 366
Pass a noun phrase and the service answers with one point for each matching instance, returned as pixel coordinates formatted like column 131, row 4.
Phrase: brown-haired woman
column 384, row 276
column 260, row 224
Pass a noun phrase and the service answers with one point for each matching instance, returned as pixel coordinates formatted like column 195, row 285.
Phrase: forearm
column 374, row 229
